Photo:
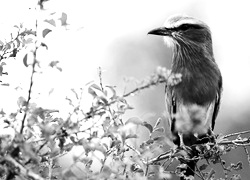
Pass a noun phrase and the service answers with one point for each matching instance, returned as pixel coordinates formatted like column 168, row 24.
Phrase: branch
column 237, row 133
column 23, row 171
column 172, row 153
column 30, row 88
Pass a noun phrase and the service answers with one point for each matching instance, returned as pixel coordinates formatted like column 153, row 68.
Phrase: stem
column 236, row 134
column 30, row 88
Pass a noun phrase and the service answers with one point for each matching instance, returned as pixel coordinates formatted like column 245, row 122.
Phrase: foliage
column 111, row 145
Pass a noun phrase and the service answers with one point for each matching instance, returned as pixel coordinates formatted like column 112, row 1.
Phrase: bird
column 192, row 104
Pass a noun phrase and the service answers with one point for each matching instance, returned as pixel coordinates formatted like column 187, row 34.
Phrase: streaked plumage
column 193, row 104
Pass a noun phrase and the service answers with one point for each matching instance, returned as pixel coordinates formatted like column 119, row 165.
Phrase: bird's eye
column 184, row 27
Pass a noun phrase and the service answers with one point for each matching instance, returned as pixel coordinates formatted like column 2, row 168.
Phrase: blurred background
column 112, row 35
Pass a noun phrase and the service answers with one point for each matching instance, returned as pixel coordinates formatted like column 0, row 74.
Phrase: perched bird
column 192, row 104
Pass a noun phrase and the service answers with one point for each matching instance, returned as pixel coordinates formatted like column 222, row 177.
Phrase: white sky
column 96, row 24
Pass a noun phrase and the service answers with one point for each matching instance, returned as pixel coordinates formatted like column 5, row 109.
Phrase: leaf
column 150, row 141
column 134, row 120
column 59, row 69
column 136, row 168
column 131, row 136
column 18, row 43
column 203, row 167
column 92, row 92
column 44, row 45
column 95, row 86
column 28, row 41
column 106, row 172
column 53, row 63
column 147, row 125
column 63, row 19
column 112, row 90
column 14, row 52
column 21, row 101
column 46, row 31
column 69, row 175
column 25, row 60
column 7, row 46
column 159, row 138
column 68, row 147
column 161, row 129
column 51, row 21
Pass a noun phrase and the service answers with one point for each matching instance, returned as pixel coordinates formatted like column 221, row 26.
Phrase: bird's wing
column 169, row 105
column 217, row 103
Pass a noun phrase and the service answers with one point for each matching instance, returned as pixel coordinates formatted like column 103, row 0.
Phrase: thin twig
column 100, row 77
column 224, row 168
column 237, row 133
column 147, row 167
column 134, row 149
column 248, row 157
column 144, row 87
column 50, row 168
column 30, row 87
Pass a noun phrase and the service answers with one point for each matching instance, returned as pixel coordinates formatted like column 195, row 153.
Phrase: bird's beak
column 162, row 31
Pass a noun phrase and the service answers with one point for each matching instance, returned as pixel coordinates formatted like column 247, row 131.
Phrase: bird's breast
column 196, row 87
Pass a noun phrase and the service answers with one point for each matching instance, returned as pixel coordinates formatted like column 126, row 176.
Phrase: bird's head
column 184, row 30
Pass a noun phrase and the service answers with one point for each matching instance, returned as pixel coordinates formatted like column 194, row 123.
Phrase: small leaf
column 28, row 41
column 14, row 52
column 150, row 141
column 46, row 31
column 147, row 125
column 18, row 43
column 92, row 92
column 159, row 138
column 63, row 19
column 95, row 86
column 68, row 147
column 161, row 129
column 21, row 101
column 25, row 60
column 59, row 68
column 51, row 21
column 203, row 167
column 44, row 45
column 134, row 120
column 136, row 168
column 131, row 136
column 7, row 46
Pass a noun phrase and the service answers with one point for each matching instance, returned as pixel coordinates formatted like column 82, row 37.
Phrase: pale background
column 112, row 34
